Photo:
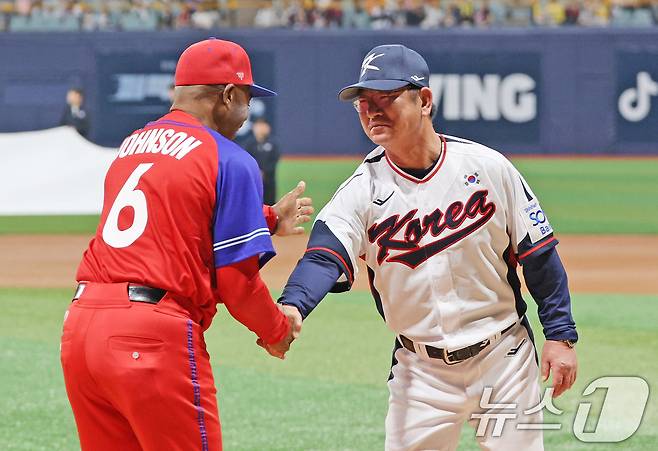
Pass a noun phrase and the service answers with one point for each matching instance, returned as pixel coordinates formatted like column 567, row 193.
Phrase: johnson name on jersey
column 170, row 204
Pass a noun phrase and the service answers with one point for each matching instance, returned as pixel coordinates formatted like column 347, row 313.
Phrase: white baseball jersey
column 441, row 250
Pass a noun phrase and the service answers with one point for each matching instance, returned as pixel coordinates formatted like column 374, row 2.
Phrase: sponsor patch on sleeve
column 536, row 222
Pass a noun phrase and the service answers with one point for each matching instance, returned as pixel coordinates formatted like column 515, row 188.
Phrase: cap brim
column 259, row 91
column 351, row 92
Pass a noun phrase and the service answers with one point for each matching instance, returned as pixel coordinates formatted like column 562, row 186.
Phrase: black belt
column 136, row 293
column 456, row 356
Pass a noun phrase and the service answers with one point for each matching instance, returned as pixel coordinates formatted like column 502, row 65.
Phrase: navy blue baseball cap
column 387, row 68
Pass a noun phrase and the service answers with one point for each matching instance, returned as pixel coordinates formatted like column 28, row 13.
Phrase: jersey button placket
column 427, row 200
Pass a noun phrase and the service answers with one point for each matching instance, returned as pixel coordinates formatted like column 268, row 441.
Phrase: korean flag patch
column 535, row 220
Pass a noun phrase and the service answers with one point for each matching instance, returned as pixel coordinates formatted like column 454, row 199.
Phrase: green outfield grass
column 329, row 394
column 73, row 224
column 580, row 195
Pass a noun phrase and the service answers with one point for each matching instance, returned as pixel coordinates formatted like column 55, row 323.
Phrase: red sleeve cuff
column 346, row 268
column 278, row 334
column 271, row 218
column 537, row 247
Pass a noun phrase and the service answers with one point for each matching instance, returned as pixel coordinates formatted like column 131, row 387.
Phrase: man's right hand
column 280, row 348
column 293, row 211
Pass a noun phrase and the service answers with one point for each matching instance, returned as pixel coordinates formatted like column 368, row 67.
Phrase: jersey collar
column 437, row 166
column 177, row 117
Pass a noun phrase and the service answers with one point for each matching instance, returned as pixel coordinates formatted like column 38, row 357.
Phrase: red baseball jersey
column 180, row 200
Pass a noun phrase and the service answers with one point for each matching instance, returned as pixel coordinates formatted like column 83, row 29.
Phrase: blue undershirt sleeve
column 314, row 277
column 547, row 282
column 317, row 273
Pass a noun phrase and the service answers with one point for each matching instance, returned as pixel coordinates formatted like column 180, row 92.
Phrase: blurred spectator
column 271, row 16
column 466, row 12
column 97, row 20
column 380, row 17
column 632, row 13
column 482, row 15
column 205, row 17
column 23, row 7
column 74, row 114
column 355, row 14
column 594, row 14
column 167, row 18
column 453, row 15
column 555, row 14
column 265, row 151
column 643, row 14
column 296, row 15
column 434, row 15
column 571, row 12
column 497, row 13
column 184, row 17
column 548, row 12
column 519, row 13
column 414, row 13
column 118, row 15
column 330, row 14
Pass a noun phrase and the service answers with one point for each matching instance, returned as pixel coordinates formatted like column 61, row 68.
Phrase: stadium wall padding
column 52, row 172
column 525, row 90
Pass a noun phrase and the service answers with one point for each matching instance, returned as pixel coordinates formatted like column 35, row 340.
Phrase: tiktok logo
column 635, row 103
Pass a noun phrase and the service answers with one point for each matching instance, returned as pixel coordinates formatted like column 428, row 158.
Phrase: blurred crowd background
column 134, row 15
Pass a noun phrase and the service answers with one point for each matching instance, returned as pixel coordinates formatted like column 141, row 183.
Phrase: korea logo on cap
column 367, row 63
column 387, row 68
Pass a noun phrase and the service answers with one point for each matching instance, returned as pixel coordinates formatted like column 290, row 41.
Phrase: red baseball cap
column 217, row 62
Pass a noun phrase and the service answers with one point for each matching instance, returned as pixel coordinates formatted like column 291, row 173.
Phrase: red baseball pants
column 137, row 375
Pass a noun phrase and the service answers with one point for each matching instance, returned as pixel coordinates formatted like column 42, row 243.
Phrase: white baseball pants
column 430, row 400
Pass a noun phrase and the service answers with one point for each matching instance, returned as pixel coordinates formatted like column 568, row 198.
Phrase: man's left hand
column 557, row 357
column 293, row 211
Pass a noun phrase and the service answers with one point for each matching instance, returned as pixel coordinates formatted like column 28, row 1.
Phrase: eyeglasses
column 380, row 100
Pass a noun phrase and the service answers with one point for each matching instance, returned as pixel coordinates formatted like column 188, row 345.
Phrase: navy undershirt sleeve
column 316, row 274
column 314, row 277
column 546, row 280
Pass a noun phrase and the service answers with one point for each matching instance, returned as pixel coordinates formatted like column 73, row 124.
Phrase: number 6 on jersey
column 128, row 196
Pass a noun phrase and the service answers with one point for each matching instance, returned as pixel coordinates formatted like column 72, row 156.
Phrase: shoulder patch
column 535, row 221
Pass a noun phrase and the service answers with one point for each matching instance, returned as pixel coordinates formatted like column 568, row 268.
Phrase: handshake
column 280, row 348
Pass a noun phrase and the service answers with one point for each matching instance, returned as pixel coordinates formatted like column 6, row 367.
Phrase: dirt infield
column 595, row 264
